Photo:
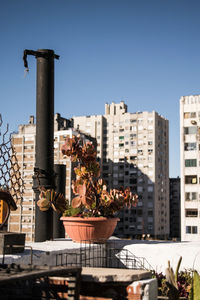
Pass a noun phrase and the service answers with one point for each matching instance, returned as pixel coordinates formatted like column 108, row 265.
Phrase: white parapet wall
column 155, row 253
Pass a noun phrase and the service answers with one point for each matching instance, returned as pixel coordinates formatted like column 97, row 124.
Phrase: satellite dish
column 193, row 122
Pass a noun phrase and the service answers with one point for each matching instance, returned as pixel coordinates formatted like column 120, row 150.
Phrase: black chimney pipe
column 60, row 182
column 44, row 160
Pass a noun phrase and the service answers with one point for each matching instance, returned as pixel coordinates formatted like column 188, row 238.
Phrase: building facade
column 23, row 219
column 133, row 152
column 190, row 167
column 175, row 207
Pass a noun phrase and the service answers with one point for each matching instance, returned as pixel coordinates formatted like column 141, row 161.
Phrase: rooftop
column 156, row 253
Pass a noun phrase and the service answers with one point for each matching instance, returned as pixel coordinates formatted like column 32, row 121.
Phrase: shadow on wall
column 136, row 221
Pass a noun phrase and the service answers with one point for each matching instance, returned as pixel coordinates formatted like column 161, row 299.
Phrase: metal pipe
column 44, row 139
column 60, row 181
column 44, row 160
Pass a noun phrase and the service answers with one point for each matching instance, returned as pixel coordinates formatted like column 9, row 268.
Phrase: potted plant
column 91, row 215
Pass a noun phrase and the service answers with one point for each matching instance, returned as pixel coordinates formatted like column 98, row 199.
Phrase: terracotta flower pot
column 91, row 229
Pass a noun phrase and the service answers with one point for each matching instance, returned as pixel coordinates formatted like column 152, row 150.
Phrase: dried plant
column 50, row 198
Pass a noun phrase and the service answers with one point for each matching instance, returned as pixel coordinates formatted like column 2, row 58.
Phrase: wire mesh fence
column 11, row 182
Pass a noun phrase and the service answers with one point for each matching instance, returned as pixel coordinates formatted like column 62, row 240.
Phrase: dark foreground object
column 36, row 283
column 11, row 242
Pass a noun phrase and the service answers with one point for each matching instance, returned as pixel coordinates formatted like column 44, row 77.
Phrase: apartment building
column 133, row 151
column 190, row 167
column 23, row 219
column 175, row 207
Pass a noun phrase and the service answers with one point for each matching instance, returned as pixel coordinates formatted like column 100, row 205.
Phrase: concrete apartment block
column 133, row 151
column 190, row 167
column 23, row 219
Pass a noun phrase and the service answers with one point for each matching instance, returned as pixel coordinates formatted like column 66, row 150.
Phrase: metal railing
column 105, row 255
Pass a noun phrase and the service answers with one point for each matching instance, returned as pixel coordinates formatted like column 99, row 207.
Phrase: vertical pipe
column 44, row 138
column 60, row 180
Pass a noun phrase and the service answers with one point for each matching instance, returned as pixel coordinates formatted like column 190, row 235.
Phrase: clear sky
column 145, row 52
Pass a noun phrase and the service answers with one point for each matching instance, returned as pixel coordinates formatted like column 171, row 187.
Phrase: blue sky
column 145, row 52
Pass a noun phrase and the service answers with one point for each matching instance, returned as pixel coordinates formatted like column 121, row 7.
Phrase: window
column 133, row 157
column 150, row 188
column 133, row 128
column 190, row 130
column 150, row 204
column 191, row 229
column 191, row 213
column 190, row 146
column 188, row 115
column 193, row 115
column 121, row 137
column 150, row 227
column 133, row 181
column 190, row 162
column 133, row 143
column 192, row 196
column 150, row 219
column 105, row 168
column 191, row 179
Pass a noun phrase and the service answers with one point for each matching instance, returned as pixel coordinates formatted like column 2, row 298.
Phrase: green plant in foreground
column 172, row 281
column 184, row 283
column 195, row 288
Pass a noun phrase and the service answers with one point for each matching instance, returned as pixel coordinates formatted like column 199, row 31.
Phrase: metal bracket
column 37, row 54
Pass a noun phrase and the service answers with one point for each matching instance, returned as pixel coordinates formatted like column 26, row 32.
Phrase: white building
column 133, row 150
column 190, row 167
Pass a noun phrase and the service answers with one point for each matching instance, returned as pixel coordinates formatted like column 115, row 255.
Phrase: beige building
column 23, row 219
column 133, row 150
column 190, row 167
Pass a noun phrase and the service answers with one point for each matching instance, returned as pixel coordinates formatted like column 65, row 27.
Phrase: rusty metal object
column 11, row 205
